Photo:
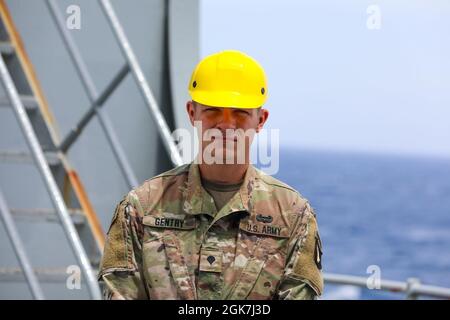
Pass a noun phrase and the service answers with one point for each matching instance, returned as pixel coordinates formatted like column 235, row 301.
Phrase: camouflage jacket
column 167, row 241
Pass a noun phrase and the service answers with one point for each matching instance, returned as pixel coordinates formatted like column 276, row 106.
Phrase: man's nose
column 227, row 120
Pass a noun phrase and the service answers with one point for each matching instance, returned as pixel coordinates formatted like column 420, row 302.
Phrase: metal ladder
column 65, row 189
column 49, row 151
column 97, row 100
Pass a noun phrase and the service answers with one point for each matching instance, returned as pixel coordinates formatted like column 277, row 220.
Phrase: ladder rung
column 15, row 274
column 6, row 47
column 13, row 156
column 48, row 214
column 29, row 102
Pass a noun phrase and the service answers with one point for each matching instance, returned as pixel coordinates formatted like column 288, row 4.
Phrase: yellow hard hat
column 229, row 78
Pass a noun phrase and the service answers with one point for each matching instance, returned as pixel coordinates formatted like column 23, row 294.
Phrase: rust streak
column 88, row 210
column 28, row 69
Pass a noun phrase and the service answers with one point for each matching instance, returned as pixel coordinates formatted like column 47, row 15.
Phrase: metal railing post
column 411, row 285
column 147, row 94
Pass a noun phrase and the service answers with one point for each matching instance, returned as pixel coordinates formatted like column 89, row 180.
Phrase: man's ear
column 190, row 108
column 263, row 114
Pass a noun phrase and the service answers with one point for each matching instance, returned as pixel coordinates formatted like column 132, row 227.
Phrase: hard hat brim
column 226, row 99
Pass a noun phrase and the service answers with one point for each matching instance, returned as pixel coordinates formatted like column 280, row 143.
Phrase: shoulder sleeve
column 302, row 277
column 120, row 268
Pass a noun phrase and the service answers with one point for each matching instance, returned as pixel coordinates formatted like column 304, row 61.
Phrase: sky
column 345, row 75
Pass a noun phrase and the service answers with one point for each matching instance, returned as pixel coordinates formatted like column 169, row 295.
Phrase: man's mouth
column 226, row 138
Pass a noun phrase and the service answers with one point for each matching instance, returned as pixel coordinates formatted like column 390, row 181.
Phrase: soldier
column 220, row 229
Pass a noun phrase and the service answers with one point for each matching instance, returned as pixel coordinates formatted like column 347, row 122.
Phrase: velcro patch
column 118, row 251
column 170, row 221
column 308, row 260
column 266, row 229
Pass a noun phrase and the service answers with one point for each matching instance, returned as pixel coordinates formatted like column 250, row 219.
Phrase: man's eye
column 240, row 111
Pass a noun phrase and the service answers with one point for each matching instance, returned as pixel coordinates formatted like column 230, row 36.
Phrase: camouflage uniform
column 168, row 241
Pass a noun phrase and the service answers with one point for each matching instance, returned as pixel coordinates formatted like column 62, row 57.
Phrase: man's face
column 226, row 133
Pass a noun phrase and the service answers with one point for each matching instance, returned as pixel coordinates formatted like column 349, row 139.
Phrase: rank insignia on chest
column 211, row 260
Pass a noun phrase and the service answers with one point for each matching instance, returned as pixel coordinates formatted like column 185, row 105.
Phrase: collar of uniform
column 242, row 200
column 198, row 201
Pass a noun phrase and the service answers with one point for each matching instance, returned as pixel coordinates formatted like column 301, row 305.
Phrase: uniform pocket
column 163, row 259
column 264, row 258
column 269, row 278
column 247, row 279
column 178, row 268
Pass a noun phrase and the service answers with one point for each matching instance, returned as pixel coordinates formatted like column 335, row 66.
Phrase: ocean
column 384, row 210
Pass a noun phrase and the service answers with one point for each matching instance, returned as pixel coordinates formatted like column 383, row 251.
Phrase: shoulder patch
column 308, row 260
column 118, row 251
